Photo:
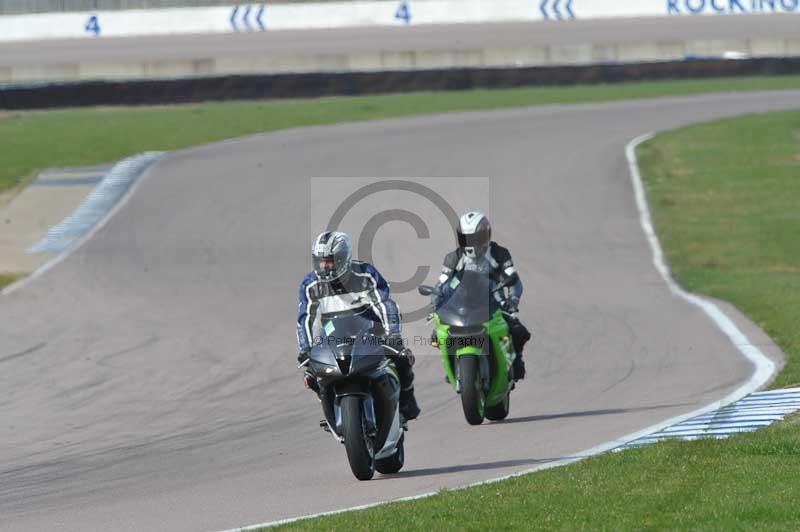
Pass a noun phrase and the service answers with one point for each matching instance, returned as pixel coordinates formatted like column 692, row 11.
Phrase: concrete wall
column 410, row 60
column 266, row 17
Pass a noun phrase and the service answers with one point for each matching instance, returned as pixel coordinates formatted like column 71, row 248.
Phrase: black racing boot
column 519, row 368
column 408, row 404
column 520, row 336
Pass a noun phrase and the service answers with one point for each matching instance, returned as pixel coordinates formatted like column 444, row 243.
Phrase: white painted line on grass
column 764, row 367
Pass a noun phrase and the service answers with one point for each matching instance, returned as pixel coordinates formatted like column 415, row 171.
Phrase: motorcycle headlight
column 323, row 369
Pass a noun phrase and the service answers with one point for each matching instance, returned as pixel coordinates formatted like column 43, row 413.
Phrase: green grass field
column 36, row 140
column 725, row 198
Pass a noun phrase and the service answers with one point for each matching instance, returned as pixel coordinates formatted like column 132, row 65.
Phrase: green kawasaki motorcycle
column 475, row 345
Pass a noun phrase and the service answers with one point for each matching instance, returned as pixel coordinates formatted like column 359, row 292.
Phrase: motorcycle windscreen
column 347, row 341
column 367, row 354
column 321, row 354
column 470, row 301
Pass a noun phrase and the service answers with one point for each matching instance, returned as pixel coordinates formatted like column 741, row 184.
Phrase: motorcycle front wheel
column 360, row 453
column 472, row 399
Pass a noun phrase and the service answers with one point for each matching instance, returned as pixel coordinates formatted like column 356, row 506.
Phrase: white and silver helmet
column 474, row 234
column 331, row 254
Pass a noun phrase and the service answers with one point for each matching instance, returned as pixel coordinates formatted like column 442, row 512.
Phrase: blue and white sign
column 363, row 13
column 557, row 9
column 724, row 7
column 92, row 26
column 403, row 12
column 248, row 18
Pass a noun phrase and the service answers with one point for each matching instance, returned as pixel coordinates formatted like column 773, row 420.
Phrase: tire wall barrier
column 268, row 16
column 309, row 85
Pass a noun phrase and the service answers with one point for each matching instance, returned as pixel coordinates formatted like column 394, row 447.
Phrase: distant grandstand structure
column 21, row 7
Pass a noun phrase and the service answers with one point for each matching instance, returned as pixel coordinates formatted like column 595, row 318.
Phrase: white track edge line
column 764, row 367
column 13, row 287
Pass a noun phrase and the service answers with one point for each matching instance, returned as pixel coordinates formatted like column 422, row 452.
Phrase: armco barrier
column 267, row 16
column 358, row 83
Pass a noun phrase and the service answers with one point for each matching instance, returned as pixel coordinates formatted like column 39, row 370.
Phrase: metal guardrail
column 317, row 84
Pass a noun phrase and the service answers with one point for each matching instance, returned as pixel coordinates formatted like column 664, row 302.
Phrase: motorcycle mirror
column 425, row 290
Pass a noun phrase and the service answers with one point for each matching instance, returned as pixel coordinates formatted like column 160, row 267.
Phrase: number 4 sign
column 93, row 25
column 403, row 12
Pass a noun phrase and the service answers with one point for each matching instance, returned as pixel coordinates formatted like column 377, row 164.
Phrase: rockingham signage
column 704, row 7
column 272, row 17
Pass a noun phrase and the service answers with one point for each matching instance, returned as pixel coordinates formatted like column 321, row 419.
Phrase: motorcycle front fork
column 486, row 378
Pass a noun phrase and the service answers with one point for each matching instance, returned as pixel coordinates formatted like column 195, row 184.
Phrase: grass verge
column 36, row 140
column 725, row 199
column 8, row 278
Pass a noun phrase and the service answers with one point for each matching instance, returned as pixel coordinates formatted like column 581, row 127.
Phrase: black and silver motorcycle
column 360, row 392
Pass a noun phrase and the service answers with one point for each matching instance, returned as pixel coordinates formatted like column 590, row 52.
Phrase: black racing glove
column 408, row 355
column 310, row 381
column 302, row 356
column 436, row 296
column 395, row 342
column 511, row 305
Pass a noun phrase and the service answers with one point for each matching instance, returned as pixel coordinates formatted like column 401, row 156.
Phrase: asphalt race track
column 393, row 39
column 148, row 381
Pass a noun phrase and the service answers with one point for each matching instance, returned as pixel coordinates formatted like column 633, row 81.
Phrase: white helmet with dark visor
column 474, row 234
